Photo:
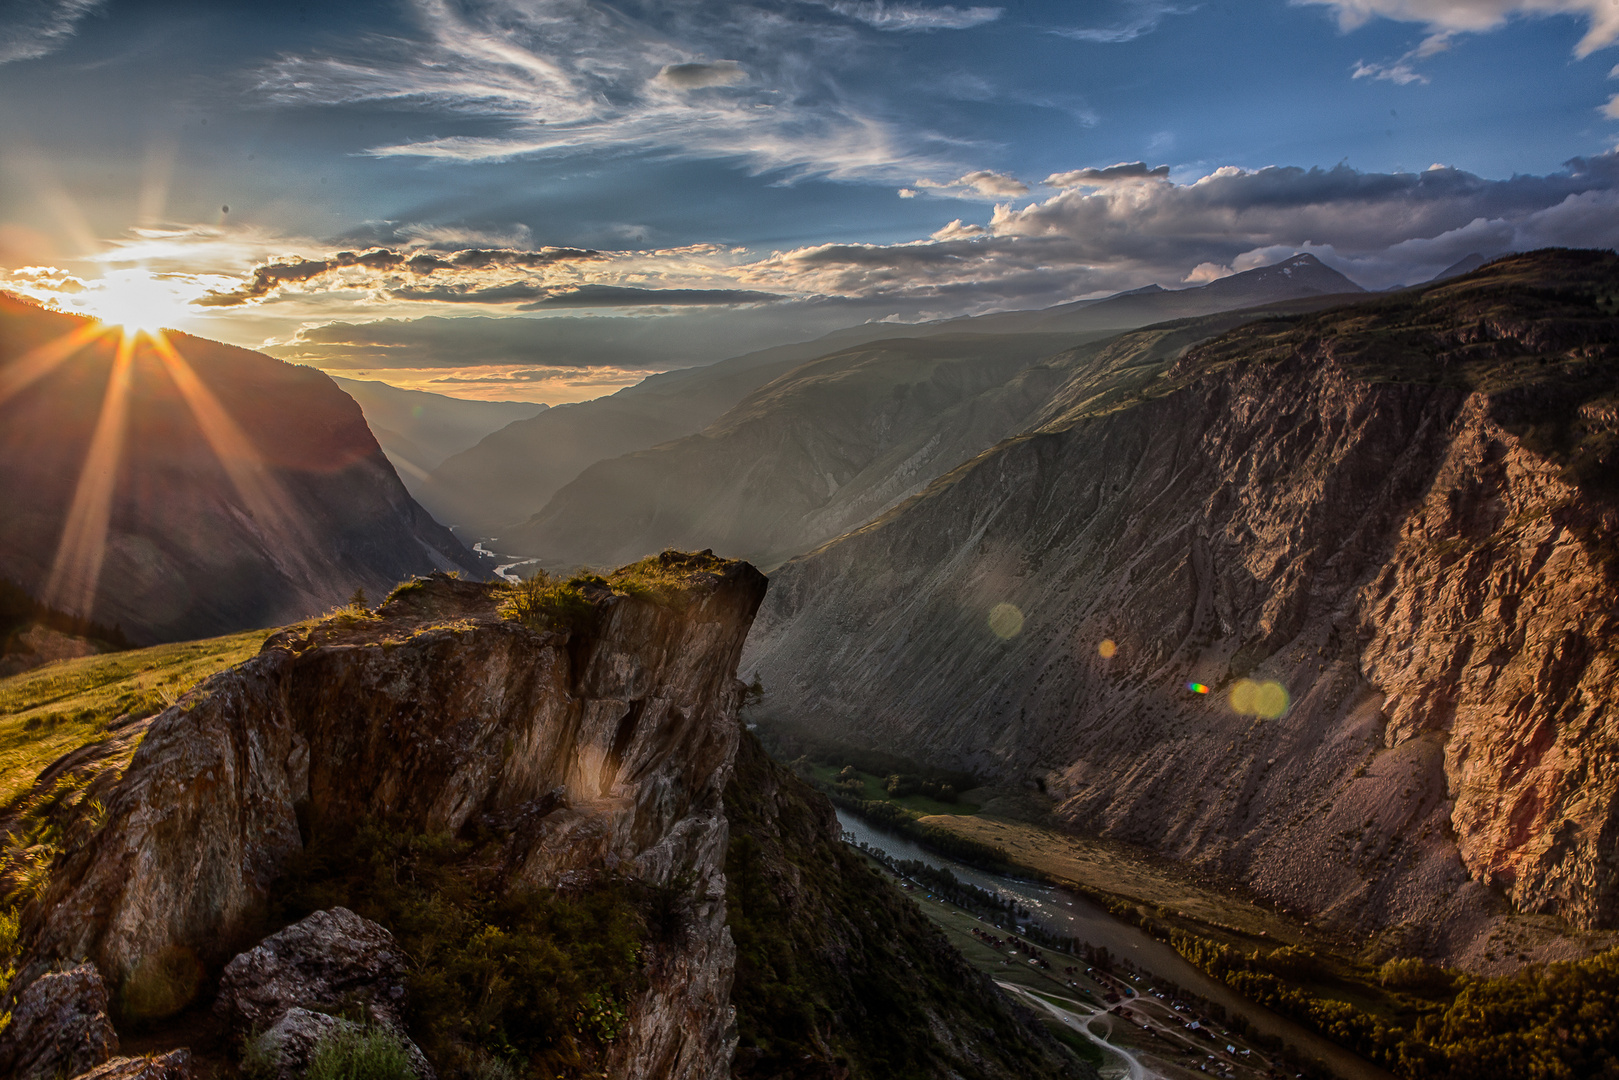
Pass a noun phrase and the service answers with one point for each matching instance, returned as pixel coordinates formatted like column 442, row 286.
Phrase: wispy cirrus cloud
column 1446, row 20
column 1132, row 19
column 1450, row 17
column 33, row 28
column 744, row 81
column 893, row 15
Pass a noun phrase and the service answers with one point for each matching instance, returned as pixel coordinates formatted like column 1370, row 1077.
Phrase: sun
column 137, row 300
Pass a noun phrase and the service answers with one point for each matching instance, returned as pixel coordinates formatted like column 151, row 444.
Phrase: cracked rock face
column 59, row 1027
column 1358, row 511
column 603, row 749
column 331, row 961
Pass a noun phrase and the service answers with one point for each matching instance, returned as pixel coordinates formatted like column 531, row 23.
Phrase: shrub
column 351, row 1053
column 527, row 976
column 543, row 602
column 1416, row 977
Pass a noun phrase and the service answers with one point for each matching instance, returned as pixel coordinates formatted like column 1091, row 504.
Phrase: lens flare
column 1197, row 688
column 1107, row 649
column 1266, row 700
column 1006, row 621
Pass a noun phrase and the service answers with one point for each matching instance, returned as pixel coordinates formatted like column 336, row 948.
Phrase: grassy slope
column 55, row 709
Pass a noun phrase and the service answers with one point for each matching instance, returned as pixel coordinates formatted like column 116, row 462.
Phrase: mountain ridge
column 233, row 490
column 1328, row 489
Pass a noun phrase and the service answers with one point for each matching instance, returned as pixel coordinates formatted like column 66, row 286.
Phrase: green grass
column 60, row 707
column 347, row 1053
column 874, row 790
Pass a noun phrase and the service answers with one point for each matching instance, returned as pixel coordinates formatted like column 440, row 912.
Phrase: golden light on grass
column 76, row 570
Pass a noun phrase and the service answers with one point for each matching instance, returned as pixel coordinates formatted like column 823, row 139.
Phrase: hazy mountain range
column 419, row 430
column 525, row 464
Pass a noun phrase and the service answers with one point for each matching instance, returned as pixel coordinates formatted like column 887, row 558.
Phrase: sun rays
column 82, row 549
column 81, row 552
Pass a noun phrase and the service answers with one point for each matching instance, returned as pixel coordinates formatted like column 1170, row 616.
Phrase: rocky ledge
column 585, row 734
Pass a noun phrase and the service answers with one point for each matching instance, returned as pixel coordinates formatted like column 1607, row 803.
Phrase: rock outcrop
column 1328, row 609
column 333, row 960
column 594, row 743
column 175, row 1065
column 59, row 1026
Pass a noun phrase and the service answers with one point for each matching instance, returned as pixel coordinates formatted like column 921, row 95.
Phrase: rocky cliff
column 496, row 832
column 177, row 487
column 571, row 765
column 1328, row 608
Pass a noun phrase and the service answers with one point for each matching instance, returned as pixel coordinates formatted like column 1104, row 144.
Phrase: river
column 1062, row 912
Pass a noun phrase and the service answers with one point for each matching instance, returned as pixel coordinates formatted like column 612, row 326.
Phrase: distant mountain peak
column 1464, row 265
column 1303, row 269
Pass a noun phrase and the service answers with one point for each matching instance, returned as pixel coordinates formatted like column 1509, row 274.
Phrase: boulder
column 59, row 1027
column 284, row 1050
column 175, row 1065
column 332, row 961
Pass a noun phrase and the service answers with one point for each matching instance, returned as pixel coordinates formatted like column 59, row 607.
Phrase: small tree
column 358, row 601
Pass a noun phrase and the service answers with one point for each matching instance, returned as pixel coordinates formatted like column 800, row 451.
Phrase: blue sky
column 773, row 168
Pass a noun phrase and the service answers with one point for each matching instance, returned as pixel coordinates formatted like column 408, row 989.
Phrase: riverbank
column 1066, row 913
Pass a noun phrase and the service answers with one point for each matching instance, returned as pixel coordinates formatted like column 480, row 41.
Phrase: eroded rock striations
column 598, row 745
column 1401, row 512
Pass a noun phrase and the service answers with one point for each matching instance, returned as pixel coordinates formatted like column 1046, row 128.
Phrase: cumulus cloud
column 892, row 15
column 982, row 184
column 1381, row 229
column 1102, row 229
column 267, row 278
column 33, row 28
column 567, row 76
column 1123, row 173
column 1447, row 17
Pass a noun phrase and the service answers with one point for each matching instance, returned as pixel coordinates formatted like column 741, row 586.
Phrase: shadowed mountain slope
column 224, row 490
column 802, row 458
column 1380, row 536
column 511, row 473
column 419, row 430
